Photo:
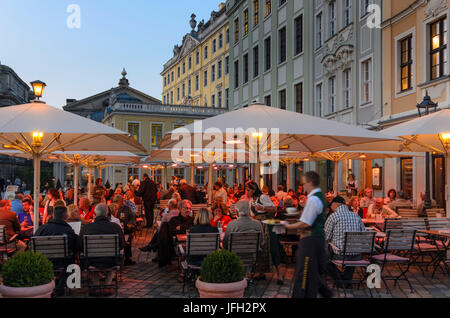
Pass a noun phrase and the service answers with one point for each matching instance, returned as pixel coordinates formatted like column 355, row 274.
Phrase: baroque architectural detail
column 434, row 8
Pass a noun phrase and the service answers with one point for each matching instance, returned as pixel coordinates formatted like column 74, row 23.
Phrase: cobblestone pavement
column 146, row 280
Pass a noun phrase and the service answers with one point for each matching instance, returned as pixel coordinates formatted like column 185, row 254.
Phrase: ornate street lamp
column 38, row 88
column 424, row 109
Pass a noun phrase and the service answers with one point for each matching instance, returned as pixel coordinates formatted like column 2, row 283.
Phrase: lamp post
column 424, row 109
column 38, row 88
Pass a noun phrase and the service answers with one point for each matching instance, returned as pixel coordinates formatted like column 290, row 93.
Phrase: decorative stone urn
column 43, row 291
column 230, row 290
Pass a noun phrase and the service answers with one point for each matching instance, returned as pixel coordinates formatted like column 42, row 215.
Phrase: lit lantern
column 38, row 88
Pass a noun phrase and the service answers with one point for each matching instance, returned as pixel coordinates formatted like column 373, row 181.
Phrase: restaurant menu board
column 10, row 192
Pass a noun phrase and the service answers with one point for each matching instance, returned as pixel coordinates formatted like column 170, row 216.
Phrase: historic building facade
column 415, row 61
column 143, row 117
column 318, row 57
column 198, row 72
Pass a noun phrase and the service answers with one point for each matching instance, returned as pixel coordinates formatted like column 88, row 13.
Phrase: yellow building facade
column 198, row 72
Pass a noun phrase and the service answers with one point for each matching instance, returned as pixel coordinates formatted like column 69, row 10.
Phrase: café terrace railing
column 170, row 109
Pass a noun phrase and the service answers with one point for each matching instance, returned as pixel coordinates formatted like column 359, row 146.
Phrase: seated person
column 219, row 212
column 112, row 214
column 128, row 219
column 87, row 213
column 26, row 217
column 342, row 220
column 102, row 225
column 171, row 211
column 243, row 224
column 400, row 202
column 11, row 222
column 73, row 215
column 378, row 208
column 354, row 207
column 421, row 206
column 391, row 197
column 302, row 202
column 368, row 199
column 201, row 225
column 182, row 222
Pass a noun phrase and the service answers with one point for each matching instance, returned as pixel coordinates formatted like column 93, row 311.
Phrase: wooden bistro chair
column 7, row 246
column 98, row 249
column 56, row 249
column 246, row 245
column 355, row 243
column 197, row 244
column 407, row 213
column 197, row 207
column 432, row 213
column 398, row 244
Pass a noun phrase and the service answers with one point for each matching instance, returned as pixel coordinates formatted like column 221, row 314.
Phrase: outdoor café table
column 379, row 223
column 444, row 237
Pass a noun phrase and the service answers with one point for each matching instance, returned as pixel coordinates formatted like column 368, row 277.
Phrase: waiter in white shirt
column 311, row 253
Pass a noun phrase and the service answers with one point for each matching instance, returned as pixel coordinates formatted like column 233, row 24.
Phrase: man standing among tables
column 311, row 253
column 148, row 191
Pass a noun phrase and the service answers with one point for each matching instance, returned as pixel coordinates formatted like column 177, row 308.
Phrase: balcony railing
column 169, row 109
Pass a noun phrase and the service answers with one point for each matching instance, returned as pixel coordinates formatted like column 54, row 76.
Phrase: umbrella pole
column 447, row 185
column 210, row 181
column 164, row 177
column 288, row 177
column 335, row 184
column 75, row 184
column 90, row 183
column 37, row 189
column 192, row 174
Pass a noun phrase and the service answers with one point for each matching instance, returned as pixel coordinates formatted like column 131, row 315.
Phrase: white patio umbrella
column 39, row 129
column 425, row 134
column 295, row 132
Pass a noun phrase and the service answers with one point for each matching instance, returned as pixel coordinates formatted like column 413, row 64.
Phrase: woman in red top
column 220, row 212
column 86, row 210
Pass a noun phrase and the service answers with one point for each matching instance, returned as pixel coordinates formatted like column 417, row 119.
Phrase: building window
column 299, row 98
column 220, row 41
column 183, row 92
column 219, row 69
column 268, row 100
column 255, row 12
column 347, row 88
column 267, row 54
column 318, row 111
column 178, row 71
column 184, row 67
column 196, row 82
column 197, row 57
column 332, row 94
column 298, row 35
column 213, row 73
column 214, row 46
column 219, row 99
column 365, row 7
column 178, row 94
column 407, row 176
column 227, row 36
column 282, row 99
column 367, row 81
column 171, row 97
column 347, row 12
column 236, row 30
column 164, row 99
column 172, row 76
column 157, row 134
column 268, row 8
column 133, row 173
column 205, row 78
column 236, row 74
column 281, row 2
column 227, row 100
column 282, row 45
column 189, row 87
column 246, row 22
column 255, row 61
column 406, row 63
column 134, row 129
column 319, row 30
column 205, row 52
column 179, row 173
column 190, row 62
column 227, row 65
column 438, row 48
column 245, row 68
column 332, row 17
column 213, row 100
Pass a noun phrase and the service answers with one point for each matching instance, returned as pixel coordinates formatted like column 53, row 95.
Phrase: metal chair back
column 100, row 246
column 199, row 244
column 392, row 224
column 407, row 212
column 3, row 239
column 414, row 224
column 400, row 240
column 359, row 243
column 432, row 213
column 246, row 246
column 53, row 247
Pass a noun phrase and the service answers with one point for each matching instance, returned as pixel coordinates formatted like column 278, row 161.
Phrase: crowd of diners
column 237, row 208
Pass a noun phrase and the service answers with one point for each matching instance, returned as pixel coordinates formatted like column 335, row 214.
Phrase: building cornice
column 403, row 14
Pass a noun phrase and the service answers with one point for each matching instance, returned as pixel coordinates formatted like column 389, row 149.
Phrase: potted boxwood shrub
column 27, row 275
column 221, row 276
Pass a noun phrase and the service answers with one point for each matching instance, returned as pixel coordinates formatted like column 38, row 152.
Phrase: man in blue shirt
column 16, row 204
column 26, row 219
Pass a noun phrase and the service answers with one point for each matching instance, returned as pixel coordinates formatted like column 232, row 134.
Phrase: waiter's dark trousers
column 311, row 263
column 149, row 206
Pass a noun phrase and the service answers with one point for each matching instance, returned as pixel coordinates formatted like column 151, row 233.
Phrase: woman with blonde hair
column 201, row 225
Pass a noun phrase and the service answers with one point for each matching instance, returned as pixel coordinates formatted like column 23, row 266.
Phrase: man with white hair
column 243, row 224
column 102, row 225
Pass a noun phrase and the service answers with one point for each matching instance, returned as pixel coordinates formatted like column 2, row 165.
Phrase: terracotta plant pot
column 231, row 290
column 43, row 291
